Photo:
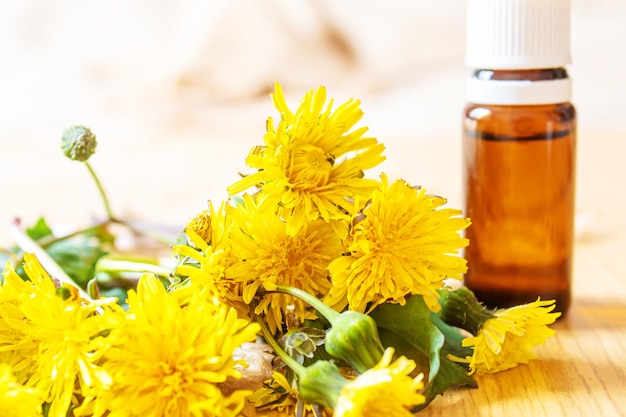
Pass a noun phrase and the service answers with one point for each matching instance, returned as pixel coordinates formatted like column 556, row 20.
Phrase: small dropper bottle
column 519, row 139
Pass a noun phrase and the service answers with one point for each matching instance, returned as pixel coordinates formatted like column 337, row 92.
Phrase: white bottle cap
column 518, row 34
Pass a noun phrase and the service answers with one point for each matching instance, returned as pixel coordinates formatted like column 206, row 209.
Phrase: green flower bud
column 354, row 339
column 461, row 309
column 321, row 383
column 78, row 143
column 92, row 289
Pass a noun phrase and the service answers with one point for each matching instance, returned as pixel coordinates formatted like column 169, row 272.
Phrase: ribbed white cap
column 518, row 34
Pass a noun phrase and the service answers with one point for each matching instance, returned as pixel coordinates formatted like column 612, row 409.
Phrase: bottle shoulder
column 559, row 112
column 520, row 122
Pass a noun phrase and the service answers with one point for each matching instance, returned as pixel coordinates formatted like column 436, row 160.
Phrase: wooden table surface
column 580, row 372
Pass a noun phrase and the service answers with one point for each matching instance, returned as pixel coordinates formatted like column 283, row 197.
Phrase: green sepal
column 460, row 308
column 321, row 384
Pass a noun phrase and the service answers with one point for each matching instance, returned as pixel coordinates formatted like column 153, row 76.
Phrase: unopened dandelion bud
column 92, row 289
column 460, row 308
column 201, row 224
column 321, row 383
column 78, row 143
column 354, row 339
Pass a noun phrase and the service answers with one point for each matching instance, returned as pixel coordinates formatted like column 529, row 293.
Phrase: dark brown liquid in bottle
column 519, row 184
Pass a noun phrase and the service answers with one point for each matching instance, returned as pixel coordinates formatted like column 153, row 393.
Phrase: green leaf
column 77, row 257
column 412, row 321
column 450, row 376
column 404, row 348
column 39, row 230
column 410, row 330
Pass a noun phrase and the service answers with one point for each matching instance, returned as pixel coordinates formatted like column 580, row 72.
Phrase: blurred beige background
column 178, row 92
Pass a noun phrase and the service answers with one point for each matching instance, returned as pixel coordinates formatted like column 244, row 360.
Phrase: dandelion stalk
column 103, row 195
column 126, row 265
column 269, row 338
column 328, row 313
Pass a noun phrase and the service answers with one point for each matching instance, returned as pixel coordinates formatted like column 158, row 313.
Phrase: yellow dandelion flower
column 312, row 162
column 70, row 338
column 171, row 357
column 385, row 390
column 402, row 243
column 206, row 258
column 507, row 340
column 266, row 255
column 16, row 349
column 15, row 399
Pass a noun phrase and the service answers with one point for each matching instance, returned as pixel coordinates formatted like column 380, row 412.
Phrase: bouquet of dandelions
column 313, row 291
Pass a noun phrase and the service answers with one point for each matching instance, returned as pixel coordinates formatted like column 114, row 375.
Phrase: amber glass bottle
column 519, row 140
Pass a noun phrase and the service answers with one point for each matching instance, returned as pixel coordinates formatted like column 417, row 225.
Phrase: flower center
column 174, row 380
column 311, row 167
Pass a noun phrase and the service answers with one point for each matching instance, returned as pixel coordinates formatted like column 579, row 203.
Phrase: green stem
column 103, row 194
column 119, row 265
column 29, row 245
column 330, row 314
column 49, row 240
column 289, row 361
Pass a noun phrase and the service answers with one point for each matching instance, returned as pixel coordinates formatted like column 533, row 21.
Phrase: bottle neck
column 519, row 87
